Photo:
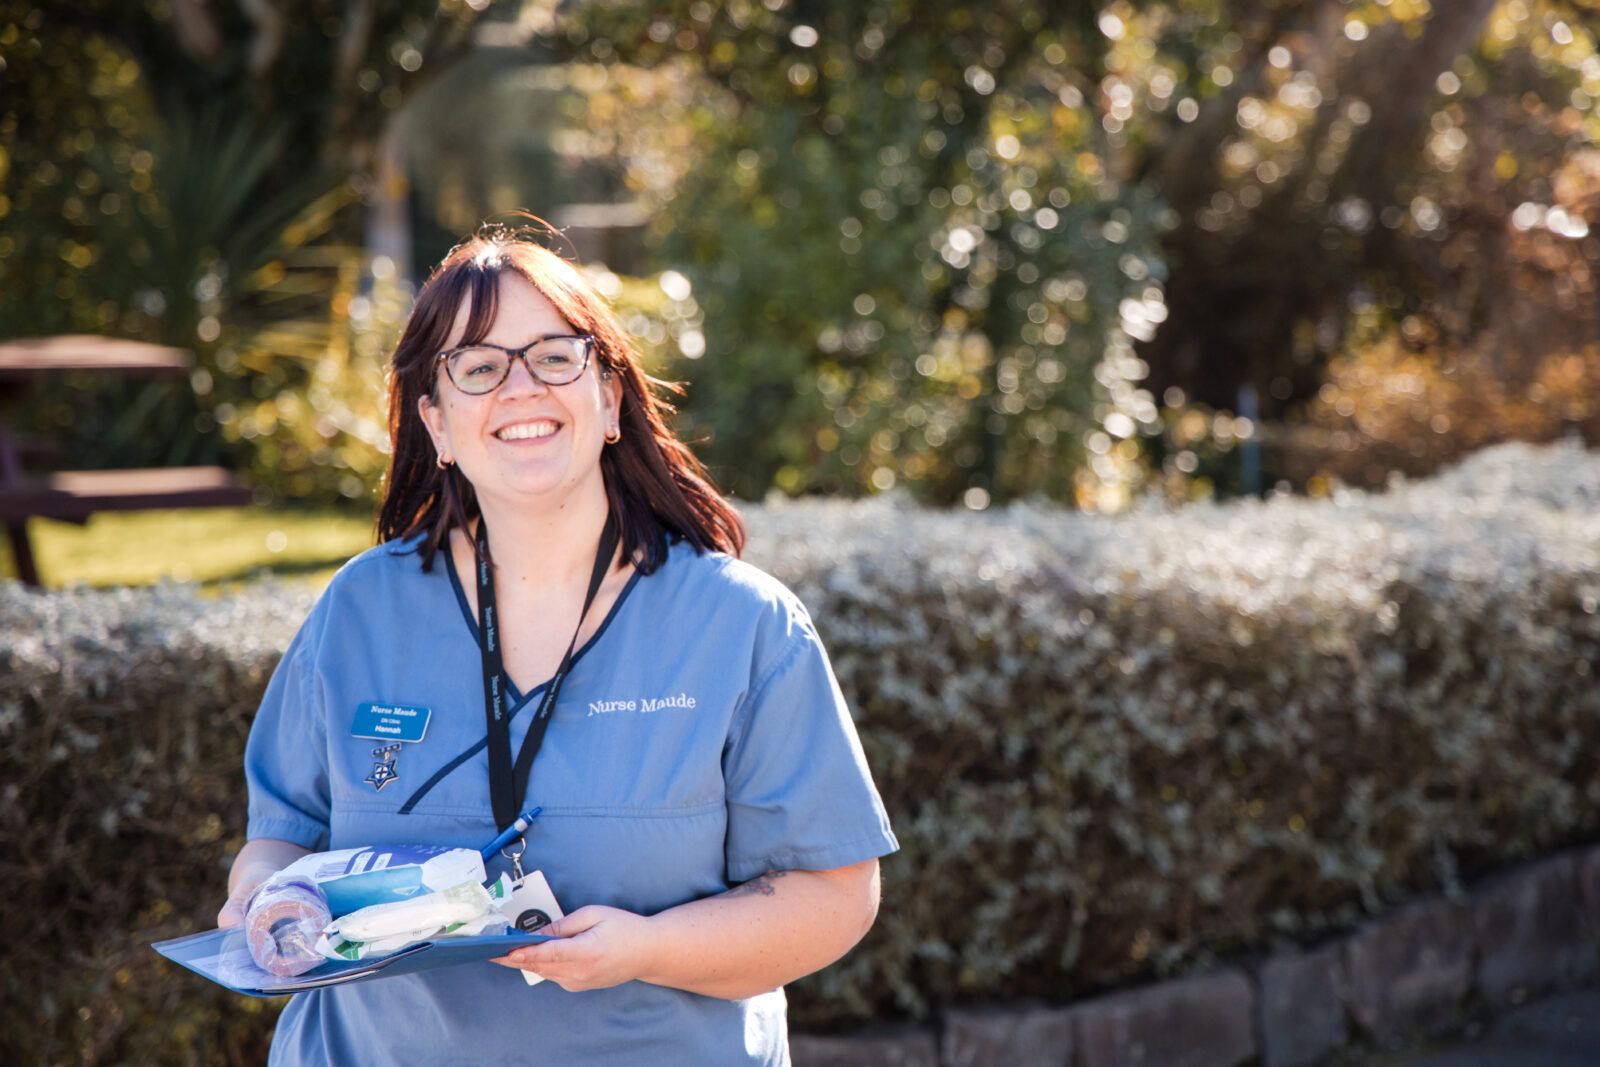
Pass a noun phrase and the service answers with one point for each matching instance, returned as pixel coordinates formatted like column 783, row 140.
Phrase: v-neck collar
column 520, row 699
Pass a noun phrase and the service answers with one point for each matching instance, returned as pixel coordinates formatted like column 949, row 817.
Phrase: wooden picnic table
column 52, row 355
column 73, row 496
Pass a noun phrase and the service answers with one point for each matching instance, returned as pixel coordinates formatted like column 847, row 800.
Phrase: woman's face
column 471, row 430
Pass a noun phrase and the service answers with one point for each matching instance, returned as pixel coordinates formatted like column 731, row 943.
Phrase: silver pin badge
column 383, row 771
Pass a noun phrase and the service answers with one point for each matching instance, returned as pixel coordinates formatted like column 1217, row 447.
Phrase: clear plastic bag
column 283, row 919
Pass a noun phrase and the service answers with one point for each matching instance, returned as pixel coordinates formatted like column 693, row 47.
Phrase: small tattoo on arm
column 761, row 884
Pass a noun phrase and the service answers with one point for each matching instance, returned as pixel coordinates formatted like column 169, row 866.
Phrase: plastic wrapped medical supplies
column 356, row 903
column 462, row 910
column 354, row 878
column 284, row 920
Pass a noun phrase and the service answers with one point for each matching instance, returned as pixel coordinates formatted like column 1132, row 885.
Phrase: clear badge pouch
column 531, row 906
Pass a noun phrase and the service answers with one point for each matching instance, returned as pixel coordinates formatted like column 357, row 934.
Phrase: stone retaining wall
column 1420, row 969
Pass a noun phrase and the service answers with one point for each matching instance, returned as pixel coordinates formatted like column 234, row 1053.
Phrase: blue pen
column 510, row 833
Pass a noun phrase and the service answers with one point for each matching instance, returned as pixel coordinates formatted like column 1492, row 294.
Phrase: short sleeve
column 799, row 794
column 285, row 760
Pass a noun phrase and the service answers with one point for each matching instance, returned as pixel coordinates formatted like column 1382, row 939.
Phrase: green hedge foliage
column 1111, row 747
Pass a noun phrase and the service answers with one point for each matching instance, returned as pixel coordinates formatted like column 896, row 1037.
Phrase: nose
column 521, row 379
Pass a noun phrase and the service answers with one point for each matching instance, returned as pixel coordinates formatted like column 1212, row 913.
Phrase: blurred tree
column 507, row 131
column 922, row 245
column 901, row 223
column 189, row 172
column 1246, row 274
column 1503, row 350
column 1345, row 173
column 1332, row 168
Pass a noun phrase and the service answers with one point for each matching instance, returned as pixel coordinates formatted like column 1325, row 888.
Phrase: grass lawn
column 213, row 547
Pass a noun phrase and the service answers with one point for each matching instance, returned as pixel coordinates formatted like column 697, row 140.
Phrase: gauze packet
column 463, row 910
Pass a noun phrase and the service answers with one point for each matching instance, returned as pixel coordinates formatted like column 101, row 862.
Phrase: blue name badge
column 390, row 722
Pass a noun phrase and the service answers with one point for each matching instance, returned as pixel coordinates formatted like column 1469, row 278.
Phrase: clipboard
column 223, row 956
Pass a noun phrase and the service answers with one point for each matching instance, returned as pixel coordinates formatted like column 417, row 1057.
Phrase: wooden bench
column 73, row 496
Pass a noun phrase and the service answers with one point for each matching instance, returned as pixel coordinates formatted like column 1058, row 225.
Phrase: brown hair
column 654, row 484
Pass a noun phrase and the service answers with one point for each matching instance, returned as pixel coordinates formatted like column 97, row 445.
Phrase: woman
column 708, row 821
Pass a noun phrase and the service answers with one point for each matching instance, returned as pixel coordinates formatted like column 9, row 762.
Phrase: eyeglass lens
column 480, row 369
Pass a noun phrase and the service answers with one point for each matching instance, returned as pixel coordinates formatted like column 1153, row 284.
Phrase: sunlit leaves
column 921, row 237
column 904, row 232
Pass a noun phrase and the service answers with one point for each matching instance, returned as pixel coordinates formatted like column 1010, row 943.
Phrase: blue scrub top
column 700, row 740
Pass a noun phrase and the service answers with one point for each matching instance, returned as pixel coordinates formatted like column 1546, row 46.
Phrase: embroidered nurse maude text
column 648, row 704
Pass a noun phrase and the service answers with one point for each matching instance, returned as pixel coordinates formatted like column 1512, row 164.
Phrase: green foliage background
column 974, row 251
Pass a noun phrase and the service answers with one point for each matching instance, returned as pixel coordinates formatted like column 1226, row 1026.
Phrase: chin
column 541, row 488
column 538, row 490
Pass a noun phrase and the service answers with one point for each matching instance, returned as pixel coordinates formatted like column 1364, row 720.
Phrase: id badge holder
column 532, row 905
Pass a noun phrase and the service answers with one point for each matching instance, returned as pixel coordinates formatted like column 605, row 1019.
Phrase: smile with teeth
column 523, row 431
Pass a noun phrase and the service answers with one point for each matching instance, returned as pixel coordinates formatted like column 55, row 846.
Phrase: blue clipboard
column 223, row 956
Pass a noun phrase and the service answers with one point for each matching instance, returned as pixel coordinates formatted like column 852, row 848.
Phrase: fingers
column 593, row 948
column 232, row 913
column 576, row 923
column 547, row 953
column 520, row 959
column 559, row 961
column 565, row 972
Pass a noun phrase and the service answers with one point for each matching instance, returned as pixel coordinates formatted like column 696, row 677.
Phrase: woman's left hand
column 598, row 947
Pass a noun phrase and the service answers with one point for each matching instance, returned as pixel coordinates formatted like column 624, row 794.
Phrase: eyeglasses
column 555, row 360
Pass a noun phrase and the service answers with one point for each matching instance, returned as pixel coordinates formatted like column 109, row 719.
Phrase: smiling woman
column 707, row 810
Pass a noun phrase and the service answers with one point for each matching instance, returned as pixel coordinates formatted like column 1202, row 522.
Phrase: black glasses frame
column 520, row 354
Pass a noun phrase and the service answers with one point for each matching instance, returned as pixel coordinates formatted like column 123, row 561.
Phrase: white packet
column 460, row 911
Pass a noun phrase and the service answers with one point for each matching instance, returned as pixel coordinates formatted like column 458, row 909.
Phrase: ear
column 611, row 396
column 433, row 420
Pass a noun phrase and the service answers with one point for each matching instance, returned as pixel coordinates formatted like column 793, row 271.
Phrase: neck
column 553, row 546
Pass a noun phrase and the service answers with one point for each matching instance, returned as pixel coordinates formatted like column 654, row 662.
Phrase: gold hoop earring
column 442, row 463
column 613, row 435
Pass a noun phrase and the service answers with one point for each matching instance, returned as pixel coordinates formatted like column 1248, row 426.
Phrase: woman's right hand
column 257, row 861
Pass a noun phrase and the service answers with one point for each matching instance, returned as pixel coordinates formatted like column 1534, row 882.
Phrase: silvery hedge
column 1111, row 746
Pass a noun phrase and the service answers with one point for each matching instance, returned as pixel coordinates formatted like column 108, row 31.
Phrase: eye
column 470, row 363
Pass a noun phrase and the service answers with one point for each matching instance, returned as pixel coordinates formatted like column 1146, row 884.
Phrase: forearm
column 260, row 858
column 762, row 934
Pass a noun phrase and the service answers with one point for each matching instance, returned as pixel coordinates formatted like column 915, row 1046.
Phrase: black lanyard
column 508, row 787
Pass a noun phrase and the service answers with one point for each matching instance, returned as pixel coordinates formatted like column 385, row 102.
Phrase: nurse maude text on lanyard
column 508, row 785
